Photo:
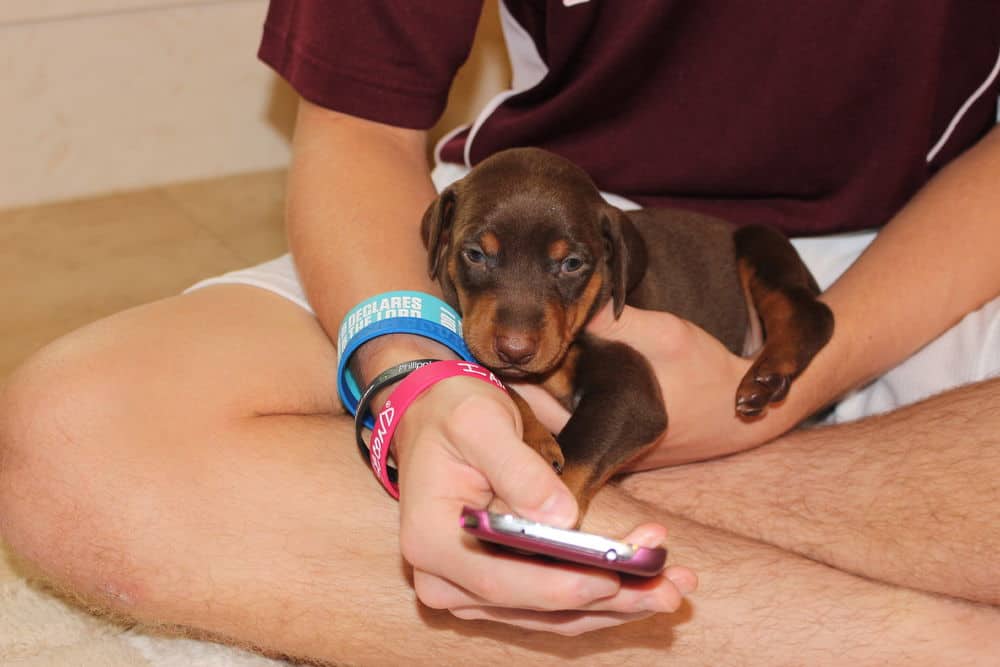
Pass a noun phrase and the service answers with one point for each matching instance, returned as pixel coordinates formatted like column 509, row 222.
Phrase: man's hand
column 459, row 444
column 698, row 377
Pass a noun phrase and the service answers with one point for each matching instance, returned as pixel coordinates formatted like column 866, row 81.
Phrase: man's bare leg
column 911, row 497
column 183, row 463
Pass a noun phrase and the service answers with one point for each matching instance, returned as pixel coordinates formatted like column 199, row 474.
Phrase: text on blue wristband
column 389, row 307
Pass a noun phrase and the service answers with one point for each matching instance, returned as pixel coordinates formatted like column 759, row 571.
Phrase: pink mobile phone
column 568, row 545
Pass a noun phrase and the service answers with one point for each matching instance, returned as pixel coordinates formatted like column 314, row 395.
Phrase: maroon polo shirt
column 815, row 117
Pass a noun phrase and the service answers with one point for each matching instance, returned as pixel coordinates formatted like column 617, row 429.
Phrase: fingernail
column 684, row 582
column 559, row 508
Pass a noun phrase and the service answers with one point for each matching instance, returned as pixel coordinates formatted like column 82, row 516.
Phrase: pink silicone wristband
column 402, row 396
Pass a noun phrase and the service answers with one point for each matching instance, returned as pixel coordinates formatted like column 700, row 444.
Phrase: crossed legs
column 911, row 497
column 185, row 463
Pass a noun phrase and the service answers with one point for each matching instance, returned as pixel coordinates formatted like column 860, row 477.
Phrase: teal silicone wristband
column 392, row 313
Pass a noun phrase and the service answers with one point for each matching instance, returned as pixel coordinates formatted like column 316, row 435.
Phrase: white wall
column 105, row 95
column 102, row 95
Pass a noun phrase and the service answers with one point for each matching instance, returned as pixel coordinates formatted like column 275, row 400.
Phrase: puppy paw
column 548, row 449
column 538, row 437
column 763, row 384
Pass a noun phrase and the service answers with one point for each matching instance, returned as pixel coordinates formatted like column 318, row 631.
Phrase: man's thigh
column 160, row 387
column 219, row 352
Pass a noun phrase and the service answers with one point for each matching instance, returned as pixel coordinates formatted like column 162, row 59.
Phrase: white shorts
column 968, row 352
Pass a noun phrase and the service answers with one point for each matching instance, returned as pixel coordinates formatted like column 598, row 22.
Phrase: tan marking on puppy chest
column 560, row 382
column 490, row 243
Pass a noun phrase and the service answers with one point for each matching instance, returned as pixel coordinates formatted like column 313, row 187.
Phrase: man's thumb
column 516, row 473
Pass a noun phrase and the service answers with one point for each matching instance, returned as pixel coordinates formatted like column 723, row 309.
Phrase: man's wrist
column 413, row 382
column 383, row 352
column 398, row 312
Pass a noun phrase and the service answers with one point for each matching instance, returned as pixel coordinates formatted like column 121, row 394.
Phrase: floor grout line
column 193, row 218
column 106, row 13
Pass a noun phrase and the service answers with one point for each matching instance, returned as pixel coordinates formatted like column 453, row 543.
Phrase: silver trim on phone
column 604, row 547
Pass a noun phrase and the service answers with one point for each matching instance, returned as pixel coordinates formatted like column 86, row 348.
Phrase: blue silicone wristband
column 402, row 312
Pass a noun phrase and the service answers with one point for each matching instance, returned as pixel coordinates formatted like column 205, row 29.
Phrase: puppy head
column 527, row 251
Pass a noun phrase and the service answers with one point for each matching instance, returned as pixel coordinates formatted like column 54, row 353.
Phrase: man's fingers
column 476, row 575
column 683, row 579
column 647, row 535
column 651, row 535
column 640, row 328
column 482, row 431
column 651, row 595
column 569, row 623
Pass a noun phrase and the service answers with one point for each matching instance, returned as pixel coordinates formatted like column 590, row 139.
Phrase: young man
column 187, row 462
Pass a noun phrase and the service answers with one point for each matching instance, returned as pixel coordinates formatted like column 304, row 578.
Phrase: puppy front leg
column 537, row 436
column 618, row 417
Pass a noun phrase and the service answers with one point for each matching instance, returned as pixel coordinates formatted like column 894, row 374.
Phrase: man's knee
column 52, row 413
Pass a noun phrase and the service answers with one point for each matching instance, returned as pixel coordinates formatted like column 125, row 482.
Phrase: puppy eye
column 571, row 264
column 474, row 255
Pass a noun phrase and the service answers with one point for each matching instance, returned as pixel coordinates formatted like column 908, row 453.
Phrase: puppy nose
column 515, row 348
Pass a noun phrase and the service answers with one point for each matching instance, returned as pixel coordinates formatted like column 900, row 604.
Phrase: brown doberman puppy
column 527, row 250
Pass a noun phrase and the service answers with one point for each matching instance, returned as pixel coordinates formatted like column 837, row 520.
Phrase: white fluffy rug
column 39, row 630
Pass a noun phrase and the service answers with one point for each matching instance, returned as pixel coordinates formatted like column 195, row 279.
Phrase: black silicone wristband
column 381, row 381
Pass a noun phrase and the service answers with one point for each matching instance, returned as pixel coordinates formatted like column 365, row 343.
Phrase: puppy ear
column 435, row 229
column 626, row 255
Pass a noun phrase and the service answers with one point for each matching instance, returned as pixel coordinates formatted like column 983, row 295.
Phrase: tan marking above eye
column 490, row 243
column 558, row 250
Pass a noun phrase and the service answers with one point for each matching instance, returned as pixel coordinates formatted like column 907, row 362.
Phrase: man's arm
column 357, row 191
column 935, row 261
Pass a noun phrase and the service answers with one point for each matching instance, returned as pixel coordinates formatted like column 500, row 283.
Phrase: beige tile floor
column 66, row 264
